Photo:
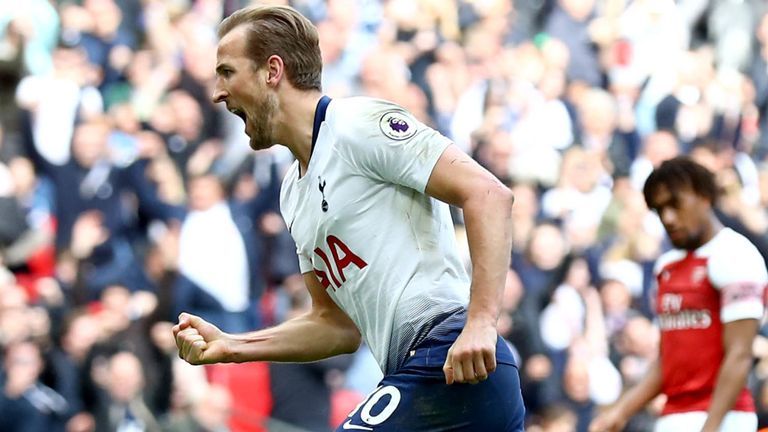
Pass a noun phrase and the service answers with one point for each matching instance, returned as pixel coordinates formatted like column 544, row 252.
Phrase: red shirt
column 695, row 291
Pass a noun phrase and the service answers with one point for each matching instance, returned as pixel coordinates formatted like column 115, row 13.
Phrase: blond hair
column 281, row 31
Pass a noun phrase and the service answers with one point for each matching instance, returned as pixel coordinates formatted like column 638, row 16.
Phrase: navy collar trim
column 322, row 107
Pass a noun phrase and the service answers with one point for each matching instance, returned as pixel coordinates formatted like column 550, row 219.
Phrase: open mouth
column 238, row 112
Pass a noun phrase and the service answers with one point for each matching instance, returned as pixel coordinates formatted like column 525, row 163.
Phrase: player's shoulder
column 361, row 106
column 366, row 117
column 667, row 258
column 731, row 258
column 730, row 249
column 728, row 242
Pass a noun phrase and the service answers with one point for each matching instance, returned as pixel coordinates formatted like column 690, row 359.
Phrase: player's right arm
column 615, row 417
column 322, row 332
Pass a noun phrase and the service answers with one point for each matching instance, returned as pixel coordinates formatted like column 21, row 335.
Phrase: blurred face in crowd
column 547, row 247
column 578, row 9
column 578, row 275
column 126, row 378
column 189, row 116
column 526, row 201
column 68, row 62
column 24, row 178
column 332, row 40
column 205, row 192
column 513, row 294
column 597, row 112
column 125, row 118
column 640, row 337
column 563, row 421
column 89, row 143
column 576, row 380
column 23, row 360
column 241, row 84
column 616, row 297
column 82, row 333
column 708, row 157
column 684, row 214
column 214, row 408
column 580, row 169
column 13, row 314
column 660, row 146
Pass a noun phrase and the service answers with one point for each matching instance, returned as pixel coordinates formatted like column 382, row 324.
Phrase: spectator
column 38, row 21
column 67, row 361
column 54, row 101
column 223, row 288
column 90, row 199
column 121, row 406
column 210, row 412
column 25, row 403
column 11, row 73
column 569, row 22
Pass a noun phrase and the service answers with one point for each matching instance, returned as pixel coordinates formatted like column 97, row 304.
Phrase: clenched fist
column 473, row 356
column 200, row 342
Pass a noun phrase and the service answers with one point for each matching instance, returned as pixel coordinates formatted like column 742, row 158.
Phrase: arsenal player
column 709, row 304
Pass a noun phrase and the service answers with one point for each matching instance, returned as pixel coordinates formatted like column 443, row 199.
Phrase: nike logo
column 349, row 425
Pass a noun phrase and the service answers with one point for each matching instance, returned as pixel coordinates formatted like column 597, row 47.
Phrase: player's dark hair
column 681, row 173
column 281, row 31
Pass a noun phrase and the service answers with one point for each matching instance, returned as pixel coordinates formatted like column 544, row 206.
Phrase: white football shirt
column 384, row 250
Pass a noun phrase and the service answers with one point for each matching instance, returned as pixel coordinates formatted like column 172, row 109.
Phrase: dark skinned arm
column 737, row 361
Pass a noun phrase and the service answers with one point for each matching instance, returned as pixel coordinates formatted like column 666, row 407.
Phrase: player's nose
column 668, row 216
column 219, row 94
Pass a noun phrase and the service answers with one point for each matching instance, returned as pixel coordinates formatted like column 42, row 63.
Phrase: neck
column 295, row 120
column 710, row 231
column 714, row 227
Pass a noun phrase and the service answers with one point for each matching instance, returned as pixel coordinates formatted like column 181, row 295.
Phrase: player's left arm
column 732, row 378
column 487, row 205
column 741, row 278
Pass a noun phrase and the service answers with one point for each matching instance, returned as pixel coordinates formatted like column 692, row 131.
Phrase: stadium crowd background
column 127, row 196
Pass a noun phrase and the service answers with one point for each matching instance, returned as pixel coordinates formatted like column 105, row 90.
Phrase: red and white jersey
column 384, row 250
column 699, row 291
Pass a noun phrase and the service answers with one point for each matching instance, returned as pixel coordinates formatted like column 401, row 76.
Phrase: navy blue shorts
column 416, row 398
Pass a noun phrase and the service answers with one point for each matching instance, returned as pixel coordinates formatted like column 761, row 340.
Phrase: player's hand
column 200, row 342
column 473, row 356
column 611, row 420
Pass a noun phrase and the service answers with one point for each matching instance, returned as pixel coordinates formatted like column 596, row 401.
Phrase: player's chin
column 680, row 242
column 259, row 144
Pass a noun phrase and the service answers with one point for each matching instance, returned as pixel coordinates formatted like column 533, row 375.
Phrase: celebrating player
column 709, row 304
column 365, row 202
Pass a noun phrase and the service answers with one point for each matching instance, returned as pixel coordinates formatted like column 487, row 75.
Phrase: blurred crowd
column 126, row 196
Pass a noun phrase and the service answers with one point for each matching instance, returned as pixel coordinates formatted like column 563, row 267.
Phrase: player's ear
column 275, row 70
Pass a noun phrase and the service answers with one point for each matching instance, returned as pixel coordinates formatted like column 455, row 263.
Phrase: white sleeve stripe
column 741, row 310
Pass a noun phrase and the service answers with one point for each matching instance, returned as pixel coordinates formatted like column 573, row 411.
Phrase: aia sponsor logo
column 340, row 257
